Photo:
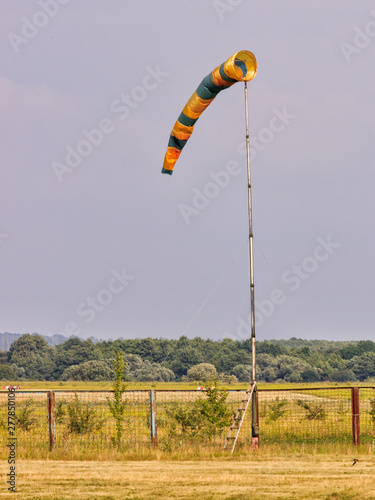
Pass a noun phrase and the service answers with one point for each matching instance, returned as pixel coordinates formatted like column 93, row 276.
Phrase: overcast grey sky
column 95, row 241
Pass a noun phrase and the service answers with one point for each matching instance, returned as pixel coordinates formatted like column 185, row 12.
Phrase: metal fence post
column 355, row 416
column 153, row 426
column 254, row 420
column 51, row 419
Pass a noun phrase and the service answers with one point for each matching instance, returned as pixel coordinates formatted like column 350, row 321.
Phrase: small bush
column 372, row 411
column 314, row 411
column 228, row 379
column 25, row 419
column 82, row 417
column 60, row 412
column 202, row 419
column 276, row 409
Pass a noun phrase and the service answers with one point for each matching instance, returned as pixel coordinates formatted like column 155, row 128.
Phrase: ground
column 325, row 477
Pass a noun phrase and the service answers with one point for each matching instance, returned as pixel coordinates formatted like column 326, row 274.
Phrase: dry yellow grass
column 33, row 385
column 255, row 477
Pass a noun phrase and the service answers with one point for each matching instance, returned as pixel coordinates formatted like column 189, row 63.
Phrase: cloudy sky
column 95, row 241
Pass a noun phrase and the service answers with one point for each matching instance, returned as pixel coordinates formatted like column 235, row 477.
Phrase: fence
column 160, row 418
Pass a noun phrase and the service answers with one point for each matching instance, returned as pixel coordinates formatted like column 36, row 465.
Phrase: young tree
column 117, row 406
column 203, row 419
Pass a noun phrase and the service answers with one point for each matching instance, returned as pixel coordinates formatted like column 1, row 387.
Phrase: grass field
column 33, row 385
column 256, row 477
column 287, row 465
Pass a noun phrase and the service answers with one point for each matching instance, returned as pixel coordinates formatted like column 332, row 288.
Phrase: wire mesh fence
column 31, row 418
column 305, row 416
column 181, row 423
column 84, row 418
column 367, row 415
column 172, row 419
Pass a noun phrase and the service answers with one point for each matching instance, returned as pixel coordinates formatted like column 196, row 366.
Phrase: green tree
column 74, row 352
column 144, row 370
column 203, row 371
column 7, row 372
column 342, row 376
column 310, row 375
column 242, row 372
column 357, row 349
column 184, row 358
column 363, row 366
column 268, row 374
column 267, row 347
column 205, row 418
column 213, row 408
column 89, row 370
column 289, row 368
column 32, row 353
column 152, row 372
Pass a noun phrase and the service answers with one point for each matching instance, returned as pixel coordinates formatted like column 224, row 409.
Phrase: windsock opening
column 243, row 64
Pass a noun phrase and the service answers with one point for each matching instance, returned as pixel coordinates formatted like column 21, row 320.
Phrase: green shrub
column 372, row 411
column 82, row 417
column 276, row 409
column 314, row 411
column 202, row 419
column 25, row 419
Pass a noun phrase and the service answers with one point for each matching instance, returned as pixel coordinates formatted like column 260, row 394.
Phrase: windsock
column 241, row 67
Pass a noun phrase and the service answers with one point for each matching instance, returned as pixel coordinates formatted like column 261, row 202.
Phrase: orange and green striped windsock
column 241, row 67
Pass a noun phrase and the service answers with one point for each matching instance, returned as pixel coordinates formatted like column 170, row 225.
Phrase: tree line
column 149, row 359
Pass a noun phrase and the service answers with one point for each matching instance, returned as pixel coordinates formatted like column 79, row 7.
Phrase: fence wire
column 84, row 418
column 31, row 419
column 305, row 416
column 171, row 419
column 367, row 415
column 180, row 423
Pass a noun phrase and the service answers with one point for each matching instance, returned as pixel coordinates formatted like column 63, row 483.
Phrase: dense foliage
column 149, row 359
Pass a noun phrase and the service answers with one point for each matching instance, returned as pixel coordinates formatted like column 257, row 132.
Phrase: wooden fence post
column 355, row 416
column 153, row 426
column 51, row 419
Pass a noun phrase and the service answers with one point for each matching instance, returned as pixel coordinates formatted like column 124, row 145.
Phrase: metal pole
column 250, row 240
column 355, row 416
column 153, row 434
column 254, row 426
